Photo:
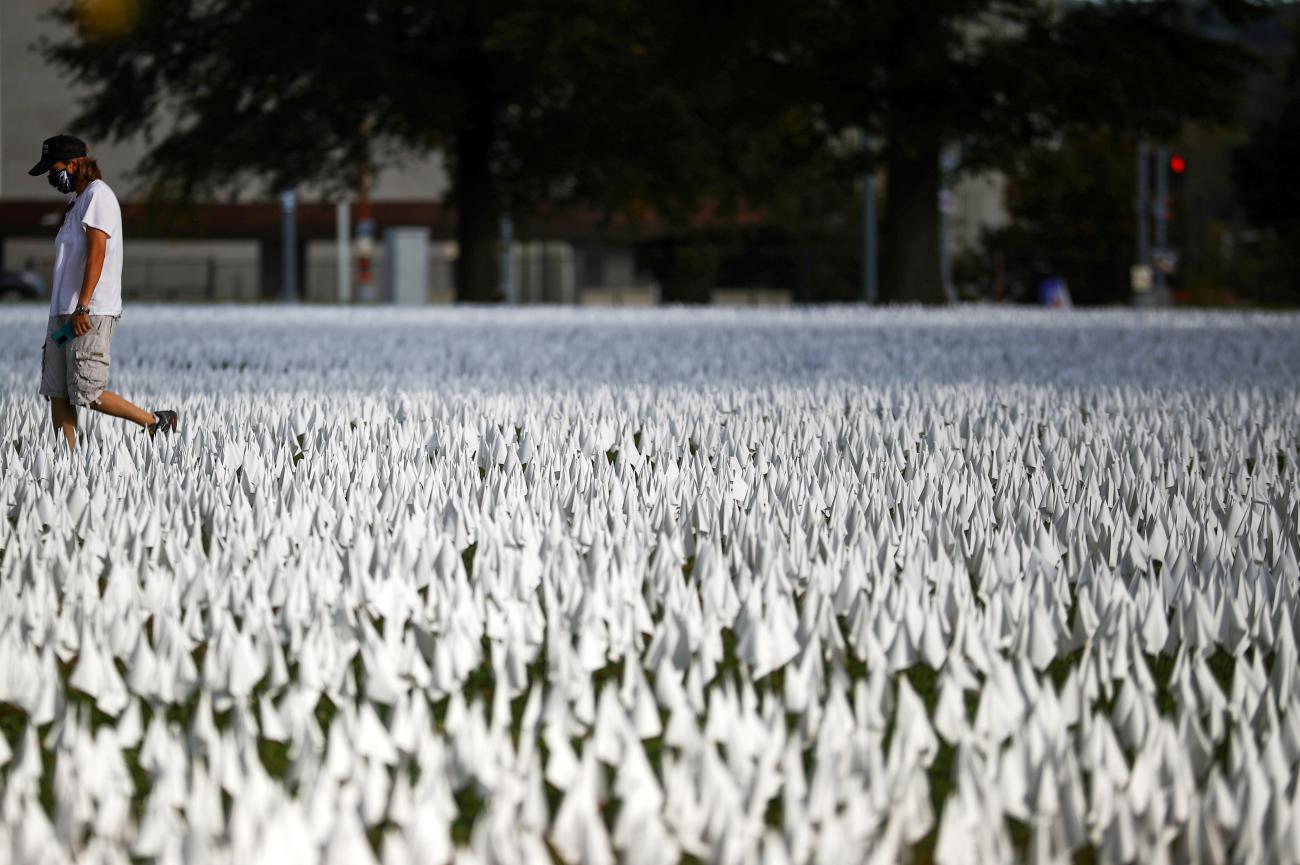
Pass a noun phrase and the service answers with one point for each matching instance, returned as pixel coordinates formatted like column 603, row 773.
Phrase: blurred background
column 639, row 151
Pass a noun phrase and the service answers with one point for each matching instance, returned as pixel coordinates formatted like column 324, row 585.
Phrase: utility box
column 407, row 250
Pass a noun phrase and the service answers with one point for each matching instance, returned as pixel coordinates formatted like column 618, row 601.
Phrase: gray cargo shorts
column 77, row 370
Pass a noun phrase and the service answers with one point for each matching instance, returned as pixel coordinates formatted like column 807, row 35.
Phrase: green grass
column 1162, row 671
column 140, row 781
column 275, row 758
column 469, row 804
column 325, row 712
column 13, row 721
column 481, row 681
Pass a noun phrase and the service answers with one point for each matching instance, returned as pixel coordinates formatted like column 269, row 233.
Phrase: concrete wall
column 320, row 273
column 544, row 272
column 160, row 269
column 194, row 270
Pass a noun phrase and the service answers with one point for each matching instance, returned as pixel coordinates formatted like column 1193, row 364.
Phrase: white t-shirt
column 95, row 207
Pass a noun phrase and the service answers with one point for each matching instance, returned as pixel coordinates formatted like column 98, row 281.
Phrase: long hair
column 89, row 172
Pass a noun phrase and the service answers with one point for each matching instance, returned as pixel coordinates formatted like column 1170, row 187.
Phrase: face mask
column 61, row 180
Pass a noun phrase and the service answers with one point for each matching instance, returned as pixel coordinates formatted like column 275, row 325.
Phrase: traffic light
column 1177, row 163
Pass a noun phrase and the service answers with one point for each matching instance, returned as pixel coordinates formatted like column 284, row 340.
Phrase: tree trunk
column 912, row 271
column 477, row 272
column 691, row 272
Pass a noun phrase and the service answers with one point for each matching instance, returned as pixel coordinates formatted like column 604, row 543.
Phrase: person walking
column 86, row 291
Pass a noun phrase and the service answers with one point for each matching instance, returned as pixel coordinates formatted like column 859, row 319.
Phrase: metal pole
column 507, row 274
column 945, row 242
column 365, row 240
column 870, row 269
column 1159, row 286
column 343, row 247
column 1142, row 206
column 949, row 159
column 288, row 237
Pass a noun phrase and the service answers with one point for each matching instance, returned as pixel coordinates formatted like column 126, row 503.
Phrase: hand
column 80, row 323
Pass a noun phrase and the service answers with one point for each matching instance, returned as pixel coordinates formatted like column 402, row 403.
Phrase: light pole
column 870, row 266
column 507, row 274
column 289, row 240
column 1142, row 211
column 1160, row 286
column 365, row 239
column 343, row 247
column 949, row 160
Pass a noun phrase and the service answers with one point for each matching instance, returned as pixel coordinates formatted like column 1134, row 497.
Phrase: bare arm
column 96, row 246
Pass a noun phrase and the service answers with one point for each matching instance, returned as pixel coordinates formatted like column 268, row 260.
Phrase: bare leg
column 63, row 415
column 112, row 404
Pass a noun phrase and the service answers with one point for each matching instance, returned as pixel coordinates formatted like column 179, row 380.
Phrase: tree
column 640, row 107
column 1071, row 210
column 531, row 101
column 997, row 79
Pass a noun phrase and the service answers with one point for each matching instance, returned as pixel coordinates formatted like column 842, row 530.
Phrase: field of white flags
column 667, row 586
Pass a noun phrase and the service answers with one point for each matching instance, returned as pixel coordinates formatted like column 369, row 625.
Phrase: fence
column 542, row 273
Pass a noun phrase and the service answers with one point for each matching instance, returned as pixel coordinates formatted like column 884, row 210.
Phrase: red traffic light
column 1177, row 163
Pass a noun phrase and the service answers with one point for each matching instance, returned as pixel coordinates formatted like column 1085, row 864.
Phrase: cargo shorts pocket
column 89, row 373
column 54, row 370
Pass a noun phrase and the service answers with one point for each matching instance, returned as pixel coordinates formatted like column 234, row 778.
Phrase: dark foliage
column 646, row 110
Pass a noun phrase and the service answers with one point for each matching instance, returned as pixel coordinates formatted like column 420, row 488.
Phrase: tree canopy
column 638, row 106
column 995, row 80
column 1268, row 180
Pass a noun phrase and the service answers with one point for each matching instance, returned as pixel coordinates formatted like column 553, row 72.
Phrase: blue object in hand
column 63, row 334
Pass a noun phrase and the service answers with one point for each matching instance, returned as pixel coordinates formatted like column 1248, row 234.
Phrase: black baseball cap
column 56, row 149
